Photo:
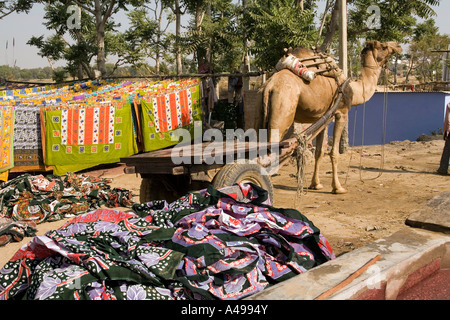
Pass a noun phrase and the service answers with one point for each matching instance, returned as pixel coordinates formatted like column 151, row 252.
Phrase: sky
column 21, row 27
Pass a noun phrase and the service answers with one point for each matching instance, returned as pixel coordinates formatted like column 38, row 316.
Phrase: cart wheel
column 243, row 173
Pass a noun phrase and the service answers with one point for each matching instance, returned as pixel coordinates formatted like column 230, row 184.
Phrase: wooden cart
column 164, row 179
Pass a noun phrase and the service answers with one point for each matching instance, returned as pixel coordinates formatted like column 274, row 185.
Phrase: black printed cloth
column 206, row 245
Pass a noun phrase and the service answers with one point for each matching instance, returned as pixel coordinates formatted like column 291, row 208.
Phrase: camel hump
column 302, row 52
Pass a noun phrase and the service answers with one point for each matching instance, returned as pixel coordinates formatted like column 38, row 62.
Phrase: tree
column 178, row 8
column 161, row 42
column 275, row 25
column 422, row 58
column 8, row 7
column 398, row 19
column 102, row 11
column 215, row 35
column 76, row 46
column 148, row 36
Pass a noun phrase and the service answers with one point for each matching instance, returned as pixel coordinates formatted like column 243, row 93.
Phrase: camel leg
column 315, row 182
column 281, row 115
column 340, row 121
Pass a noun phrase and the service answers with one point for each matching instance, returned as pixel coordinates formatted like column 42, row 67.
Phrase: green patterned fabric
column 162, row 114
column 80, row 138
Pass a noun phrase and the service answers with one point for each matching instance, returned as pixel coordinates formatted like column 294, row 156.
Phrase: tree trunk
column 50, row 63
column 177, row 37
column 158, row 43
column 101, row 59
column 199, row 15
column 88, row 70
column 80, row 71
column 331, row 30
column 395, row 70
column 410, row 68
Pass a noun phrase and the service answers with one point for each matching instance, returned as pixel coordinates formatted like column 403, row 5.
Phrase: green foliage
column 8, row 7
column 224, row 32
column 275, row 25
column 16, row 73
column 398, row 18
column 225, row 112
column 220, row 34
column 426, row 63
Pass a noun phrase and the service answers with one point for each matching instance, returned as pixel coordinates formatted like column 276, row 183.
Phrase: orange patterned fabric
column 6, row 138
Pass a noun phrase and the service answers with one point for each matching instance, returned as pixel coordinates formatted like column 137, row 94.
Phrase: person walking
column 445, row 158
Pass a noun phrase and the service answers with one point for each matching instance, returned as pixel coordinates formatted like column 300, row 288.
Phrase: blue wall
column 408, row 115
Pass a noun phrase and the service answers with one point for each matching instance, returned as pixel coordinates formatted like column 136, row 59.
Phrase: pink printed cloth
column 207, row 245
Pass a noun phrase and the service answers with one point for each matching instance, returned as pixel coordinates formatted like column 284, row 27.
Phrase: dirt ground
column 385, row 183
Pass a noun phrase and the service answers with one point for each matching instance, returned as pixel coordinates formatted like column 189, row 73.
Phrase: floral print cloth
column 36, row 199
column 206, row 245
column 6, row 138
column 11, row 230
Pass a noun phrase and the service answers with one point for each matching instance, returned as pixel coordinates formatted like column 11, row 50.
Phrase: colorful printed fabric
column 38, row 198
column 11, row 230
column 77, row 136
column 89, row 136
column 27, row 137
column 6, row 138
column 4, row 176
column 164, row 113
column 206, row 245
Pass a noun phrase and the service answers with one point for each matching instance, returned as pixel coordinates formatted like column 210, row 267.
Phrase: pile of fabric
column 11, row 230
column 28, row 200
column 226, row 245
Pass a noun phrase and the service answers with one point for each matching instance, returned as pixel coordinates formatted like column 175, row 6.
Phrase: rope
column 353, row 144
column 301, row 164
column 383, row 135
column 310, row 132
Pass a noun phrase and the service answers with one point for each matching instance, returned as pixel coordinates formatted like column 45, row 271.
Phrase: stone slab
column 435, row 216
column 402, row 253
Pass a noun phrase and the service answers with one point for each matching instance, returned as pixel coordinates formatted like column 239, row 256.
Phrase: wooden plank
column 38, row 168
column 160, row 161
column 348, row 280
column 195, row 149
column 129, row 170
column 172, row 170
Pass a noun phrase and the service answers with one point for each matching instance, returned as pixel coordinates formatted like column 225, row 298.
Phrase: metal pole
column 343, row 62
column 246, row 62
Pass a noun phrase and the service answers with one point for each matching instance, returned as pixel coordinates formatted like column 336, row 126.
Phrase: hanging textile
column 206, row 245
column 163, row 113
column 147, row 112
column 27, row 137
column 88, row 136
column 6, row 138
column 4, row 176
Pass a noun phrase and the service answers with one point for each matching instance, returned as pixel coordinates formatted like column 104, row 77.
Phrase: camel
column 287, row 98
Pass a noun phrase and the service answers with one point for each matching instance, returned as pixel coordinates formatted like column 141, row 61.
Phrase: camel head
column 377, row 53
